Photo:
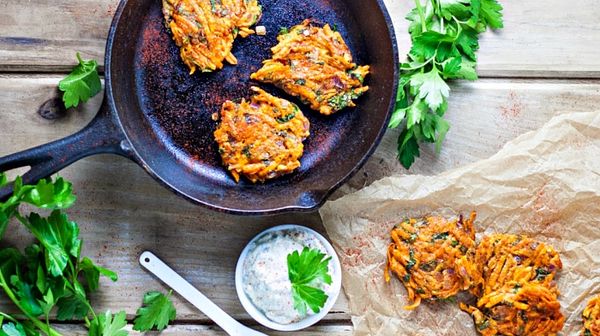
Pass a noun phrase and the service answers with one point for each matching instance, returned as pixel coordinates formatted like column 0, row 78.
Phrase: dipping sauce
column 265, row 273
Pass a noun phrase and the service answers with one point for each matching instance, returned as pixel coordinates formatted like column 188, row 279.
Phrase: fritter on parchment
column 261, row 138
column 518, row 295
column 433, row 257
column 529, row 309
column 503, row 258
column 204, row 30
column 591, row 318
column 316, row 65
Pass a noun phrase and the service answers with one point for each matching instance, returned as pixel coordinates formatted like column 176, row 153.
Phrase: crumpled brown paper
column 545, row 184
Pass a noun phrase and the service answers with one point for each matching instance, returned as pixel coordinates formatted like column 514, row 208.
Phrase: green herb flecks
column 541, row 273
column 288, row 117
column 440, row 236
column 411, row 260
column 341, row 101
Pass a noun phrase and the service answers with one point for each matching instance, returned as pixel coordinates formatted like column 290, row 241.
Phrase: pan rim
column 231, row 210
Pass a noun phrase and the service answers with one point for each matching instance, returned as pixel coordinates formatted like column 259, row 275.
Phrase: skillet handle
column 101, row 135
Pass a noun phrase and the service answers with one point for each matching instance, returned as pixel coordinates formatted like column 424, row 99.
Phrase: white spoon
column 157, row 267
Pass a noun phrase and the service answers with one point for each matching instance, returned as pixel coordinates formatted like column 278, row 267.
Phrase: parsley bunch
column 444, row 36
column 50, row 275
column 307, row 271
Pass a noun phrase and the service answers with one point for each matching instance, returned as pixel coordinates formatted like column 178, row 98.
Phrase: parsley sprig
column 444, row 36
column 308, row 270
column 51, row 275
column 157, row 312
column 81, row 84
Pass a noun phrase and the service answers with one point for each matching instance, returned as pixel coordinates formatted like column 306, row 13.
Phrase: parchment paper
column 545, row 184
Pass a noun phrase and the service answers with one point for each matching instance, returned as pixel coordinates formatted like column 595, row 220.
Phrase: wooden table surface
column 545, row 61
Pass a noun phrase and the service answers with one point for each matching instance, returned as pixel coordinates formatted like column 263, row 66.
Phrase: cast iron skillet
column 159, row 116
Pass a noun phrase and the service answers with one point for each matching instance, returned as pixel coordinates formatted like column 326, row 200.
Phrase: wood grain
column 551, row 38
column 201, row 330
column 122, row 211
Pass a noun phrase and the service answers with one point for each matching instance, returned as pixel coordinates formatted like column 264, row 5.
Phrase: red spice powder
column 513, row 108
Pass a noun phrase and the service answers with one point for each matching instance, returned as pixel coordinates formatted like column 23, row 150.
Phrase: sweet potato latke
column 518, row 309
column 316, row 65
column 518, row 295
column 504, row 258
column 261, row 138
column 591, row 318
column 205, row 29
column 433, row 257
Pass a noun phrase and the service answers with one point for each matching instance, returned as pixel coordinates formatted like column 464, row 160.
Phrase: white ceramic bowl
column 335, row 288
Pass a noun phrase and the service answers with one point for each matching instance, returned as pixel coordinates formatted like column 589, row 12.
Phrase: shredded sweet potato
column 518, row 295
column 518, row 309
column 205, row 29
column 591, row 318
column 503, row 258
column 261, row 138
column 433, row 257
column 315, row 64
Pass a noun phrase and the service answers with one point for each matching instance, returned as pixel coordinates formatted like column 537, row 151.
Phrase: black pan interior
column 166, row 113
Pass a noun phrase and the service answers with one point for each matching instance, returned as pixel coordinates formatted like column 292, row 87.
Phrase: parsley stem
column 421, row 15
column 419, row 66
column 6, row 316
column 39, row 324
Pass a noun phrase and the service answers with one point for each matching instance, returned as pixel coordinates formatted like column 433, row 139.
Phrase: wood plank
column 205, row 330
column 122, row 211
column 539, row 40
column 483, row 115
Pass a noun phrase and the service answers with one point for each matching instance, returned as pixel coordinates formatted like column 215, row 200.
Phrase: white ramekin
column 335, row 288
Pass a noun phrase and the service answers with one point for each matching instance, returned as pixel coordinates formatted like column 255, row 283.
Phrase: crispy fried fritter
column 503, row 258
column 316, row 65
column 433, row 257
column 261, row 138
column 591, row 318
column 529, row 309
column 518, row 295
column 205, row 29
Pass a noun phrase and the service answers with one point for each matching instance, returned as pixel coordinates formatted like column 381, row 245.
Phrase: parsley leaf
column 92, row 273
column 24, row 293
column 431, row 87
column 108, row 325
column 444, row 35
column 491, row 14
column 157, row 312
column 72, row 306
column 58, row 235
column 81, row 84
column 12, row 329
column 307, row 271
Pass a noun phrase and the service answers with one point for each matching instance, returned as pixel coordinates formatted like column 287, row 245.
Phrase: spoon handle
column 167, row 275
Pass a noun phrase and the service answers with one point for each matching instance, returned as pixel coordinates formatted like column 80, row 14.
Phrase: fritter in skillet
column 261, row 138
column 316, row 65
column 433, row 257
column 591, row 318
column 205, row 29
